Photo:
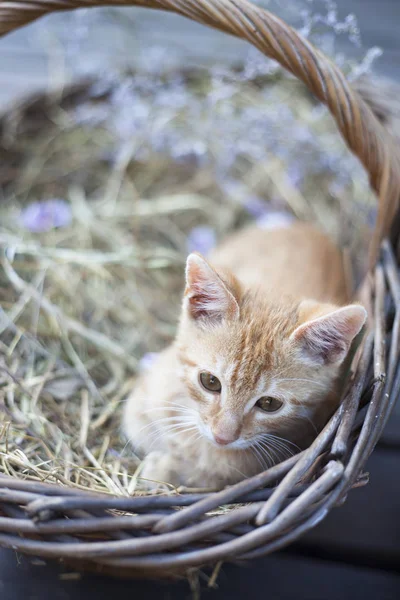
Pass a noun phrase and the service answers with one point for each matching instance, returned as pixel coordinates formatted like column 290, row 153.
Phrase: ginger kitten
column 257, row 365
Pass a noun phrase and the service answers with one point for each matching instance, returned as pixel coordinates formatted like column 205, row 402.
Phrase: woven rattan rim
column 49, row 521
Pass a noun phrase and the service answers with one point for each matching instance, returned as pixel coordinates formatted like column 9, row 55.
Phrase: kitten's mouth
column 239, row 444
column 235, row 445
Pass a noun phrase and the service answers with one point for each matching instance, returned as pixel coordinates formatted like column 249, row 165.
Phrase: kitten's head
column 258, row 368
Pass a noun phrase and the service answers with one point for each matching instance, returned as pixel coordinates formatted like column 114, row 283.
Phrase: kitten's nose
column 223, row 441
column 225, row 428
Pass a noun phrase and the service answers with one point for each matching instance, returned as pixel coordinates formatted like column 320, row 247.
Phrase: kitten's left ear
column 326, row 340
column 207, row 296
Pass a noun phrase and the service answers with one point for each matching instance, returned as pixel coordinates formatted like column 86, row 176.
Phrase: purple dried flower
column 147, row 360
column 91, row 114
column 46, row 215
column 114, row 453
column 201, row 239
column 295, row 175
column 190, row 153
column 275, row 220
column 255, row 206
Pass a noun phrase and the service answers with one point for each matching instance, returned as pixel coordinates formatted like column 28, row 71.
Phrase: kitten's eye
column 269, row 404
column 210, row 382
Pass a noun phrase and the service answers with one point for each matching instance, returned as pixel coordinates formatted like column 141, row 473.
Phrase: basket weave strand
column 279, row 505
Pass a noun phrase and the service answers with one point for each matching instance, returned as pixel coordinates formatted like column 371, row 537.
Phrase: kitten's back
column 296, row 260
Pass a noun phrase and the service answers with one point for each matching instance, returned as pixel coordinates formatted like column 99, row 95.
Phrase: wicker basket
column 172, row 533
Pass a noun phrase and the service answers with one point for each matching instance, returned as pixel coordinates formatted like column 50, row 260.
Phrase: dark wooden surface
column 279, row 577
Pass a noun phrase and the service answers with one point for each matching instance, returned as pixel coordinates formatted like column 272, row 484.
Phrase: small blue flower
column 147, row 360
column 255, row 206
column 275, row 220
column 201, row 239
column 39, row 217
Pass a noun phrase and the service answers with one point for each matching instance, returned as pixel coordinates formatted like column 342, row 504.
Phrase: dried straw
column 80, row 305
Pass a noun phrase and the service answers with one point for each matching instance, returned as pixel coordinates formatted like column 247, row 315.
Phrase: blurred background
column 62, row 46
column 128, row 138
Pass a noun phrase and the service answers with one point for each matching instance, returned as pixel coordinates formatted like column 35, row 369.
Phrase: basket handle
column 363, row 133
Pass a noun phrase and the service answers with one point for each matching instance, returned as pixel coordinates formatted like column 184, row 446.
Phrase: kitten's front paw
column 160, row 472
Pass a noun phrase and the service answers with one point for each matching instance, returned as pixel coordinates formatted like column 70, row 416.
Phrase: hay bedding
column 105, row 188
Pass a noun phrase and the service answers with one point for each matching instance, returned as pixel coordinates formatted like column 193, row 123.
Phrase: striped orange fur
column 266, row 321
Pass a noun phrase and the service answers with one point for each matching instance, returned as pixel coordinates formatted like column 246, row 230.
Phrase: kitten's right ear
column 327, row 338
column 207, row 296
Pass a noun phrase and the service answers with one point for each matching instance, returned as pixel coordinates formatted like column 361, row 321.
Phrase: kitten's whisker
column 276, row 447
column 282, row 450
column 173, row 434
column 129, row 442
column 240, row 472
column 278, row 453
column 169, row 409
column 284, row 440
column 172, row 426
column 259, row 455
column 254, row 452
column 265, row 449
column 188, row 423
column 169, row 432
column 178, row 407
column 279, row 449
column 184, row 406
column 178, row 426
column 147, row 433
column 194, row 438
column 276, row 458
column 161, row 425
column 280, row 439
column 167, row 419
column 286, row 450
